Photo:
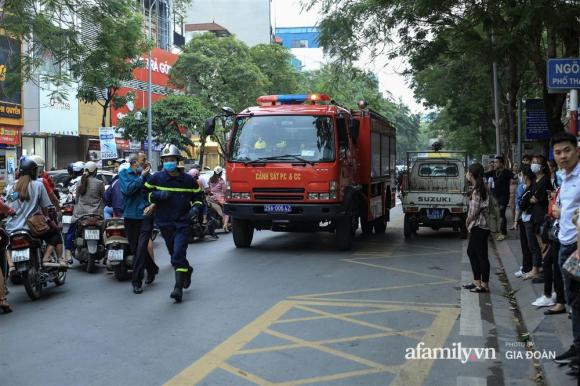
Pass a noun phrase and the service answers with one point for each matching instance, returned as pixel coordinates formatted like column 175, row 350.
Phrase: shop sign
column 9, row 136
column 59, row 115
column 108, row 145
column 10, row 99
column 90, row 115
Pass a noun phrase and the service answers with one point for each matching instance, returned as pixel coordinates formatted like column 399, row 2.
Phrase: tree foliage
column 451, row 46
column 274, row 62
column 220, row 71
column 168, row 116
column 111, row 62
column 51, row 30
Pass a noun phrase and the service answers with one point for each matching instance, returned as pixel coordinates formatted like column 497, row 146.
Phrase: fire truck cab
column 302, row 163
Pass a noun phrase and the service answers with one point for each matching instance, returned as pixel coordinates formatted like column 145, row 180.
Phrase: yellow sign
column 90, row 115
column 275, row 176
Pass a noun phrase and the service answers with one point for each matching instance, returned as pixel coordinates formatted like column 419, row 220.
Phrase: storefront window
column 27, row 146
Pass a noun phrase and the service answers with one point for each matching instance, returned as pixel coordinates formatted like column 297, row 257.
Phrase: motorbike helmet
column 170, row 150
column 28, row 168
column 218, row 170
column 69, row 168
column 194, row 173
column 78, row 166
column 91, row 167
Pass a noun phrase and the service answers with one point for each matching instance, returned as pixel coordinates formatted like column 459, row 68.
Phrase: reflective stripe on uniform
column 197, row 202
column 181, row 270
column 164, row 188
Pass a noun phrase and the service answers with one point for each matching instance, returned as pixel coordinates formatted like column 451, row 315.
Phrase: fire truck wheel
column 343, row 232
column 380, row 225
column 367, row 227
column 243, row 232
column 407, row 227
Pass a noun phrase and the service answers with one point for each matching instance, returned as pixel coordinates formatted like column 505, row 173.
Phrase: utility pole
column 149, row 111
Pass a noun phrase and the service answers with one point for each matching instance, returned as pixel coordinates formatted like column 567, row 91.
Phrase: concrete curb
column 548, row 333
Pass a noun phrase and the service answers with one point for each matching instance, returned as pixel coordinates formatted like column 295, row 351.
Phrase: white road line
column 470, row 320
column 471, row 381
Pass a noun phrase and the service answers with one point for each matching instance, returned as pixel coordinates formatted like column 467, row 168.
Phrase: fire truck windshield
column 283, row 138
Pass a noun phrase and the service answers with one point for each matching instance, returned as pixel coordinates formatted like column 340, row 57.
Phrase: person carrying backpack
column 477, row 225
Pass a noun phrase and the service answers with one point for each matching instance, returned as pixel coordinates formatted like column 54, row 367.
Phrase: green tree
column 170, row 114
column 103, row 69
column 274, row 62
column 51, row 30
column 220, row 71
column 440, row 37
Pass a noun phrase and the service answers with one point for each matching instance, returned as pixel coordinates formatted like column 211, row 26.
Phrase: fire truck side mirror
column 354, row 130
column 209, row 128
column 228, row 111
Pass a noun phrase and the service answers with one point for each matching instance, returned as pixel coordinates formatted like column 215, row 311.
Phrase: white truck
column 434, row 191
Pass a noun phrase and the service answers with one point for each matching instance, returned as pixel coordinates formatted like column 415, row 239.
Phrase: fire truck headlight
column 313, row 196
column 235, row 195
column 324, row 196
column 245, row 196
column 228, row 190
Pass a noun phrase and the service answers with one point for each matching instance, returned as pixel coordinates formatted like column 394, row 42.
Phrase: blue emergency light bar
column 267, row 100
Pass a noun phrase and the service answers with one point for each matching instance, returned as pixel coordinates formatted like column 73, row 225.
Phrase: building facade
column 249, row 20
column 303, row 44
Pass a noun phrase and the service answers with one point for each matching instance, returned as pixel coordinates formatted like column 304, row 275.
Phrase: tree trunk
column 202, row 140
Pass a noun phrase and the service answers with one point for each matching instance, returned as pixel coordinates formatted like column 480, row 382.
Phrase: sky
column 289, row 13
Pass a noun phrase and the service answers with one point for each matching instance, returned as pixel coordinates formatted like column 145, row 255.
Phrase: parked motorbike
column 118, row 253
column 199, row 230
column 27, row 253
column 90, row 248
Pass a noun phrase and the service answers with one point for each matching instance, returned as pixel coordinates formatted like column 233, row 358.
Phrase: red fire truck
column 303, row 163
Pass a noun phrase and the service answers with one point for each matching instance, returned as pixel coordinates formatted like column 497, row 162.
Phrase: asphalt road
column 291, row 310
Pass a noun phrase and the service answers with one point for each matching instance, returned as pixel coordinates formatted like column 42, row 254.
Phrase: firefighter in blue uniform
column 171, row 192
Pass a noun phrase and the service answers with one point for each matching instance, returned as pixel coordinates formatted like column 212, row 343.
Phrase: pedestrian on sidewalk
column 527, row 207
column 519, row 225
column 564, row 146
column 477, row 225
column 514, row 182
column 501, row 182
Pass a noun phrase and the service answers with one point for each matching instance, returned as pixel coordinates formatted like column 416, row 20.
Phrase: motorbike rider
column 138, row 226
column 89, row 200
column 171, row 192
column 26, row 197
column 217, row 194
column 200, row 206
column 46, row 181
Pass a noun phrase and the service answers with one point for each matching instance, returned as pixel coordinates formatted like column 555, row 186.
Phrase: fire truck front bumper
column 297, row 212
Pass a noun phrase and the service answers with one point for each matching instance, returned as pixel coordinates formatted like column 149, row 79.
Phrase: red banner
column 161, row 63
column 10, row 136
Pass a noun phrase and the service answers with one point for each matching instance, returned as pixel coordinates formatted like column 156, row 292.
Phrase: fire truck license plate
column 66, row 219
column 92, row 234
column 277, row 208
column 435, row 214
column 21, row 255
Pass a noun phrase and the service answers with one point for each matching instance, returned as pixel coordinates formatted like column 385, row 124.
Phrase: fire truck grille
column 278, row 190
column 271, row 197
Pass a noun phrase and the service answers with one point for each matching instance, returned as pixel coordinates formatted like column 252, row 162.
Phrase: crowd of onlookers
column 544, row 197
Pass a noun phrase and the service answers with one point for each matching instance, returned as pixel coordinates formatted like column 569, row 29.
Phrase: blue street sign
column 536, row 121
column 563, row 74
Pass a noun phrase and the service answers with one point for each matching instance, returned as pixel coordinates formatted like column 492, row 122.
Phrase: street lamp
column 149, row 112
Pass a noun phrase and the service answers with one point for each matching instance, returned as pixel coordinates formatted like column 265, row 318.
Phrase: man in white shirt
column 565, row 147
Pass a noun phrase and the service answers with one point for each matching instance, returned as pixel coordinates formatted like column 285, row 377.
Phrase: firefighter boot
column 177, row 292
column 187, row 281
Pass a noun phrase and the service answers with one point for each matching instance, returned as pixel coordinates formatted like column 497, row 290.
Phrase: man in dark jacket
column 113, row 198
column 138, row 226
column 171, row 193
column 501, row 180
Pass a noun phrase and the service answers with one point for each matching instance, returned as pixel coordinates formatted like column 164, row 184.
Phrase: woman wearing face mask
column 477, row 225
column 540, row 200
column 519, row 225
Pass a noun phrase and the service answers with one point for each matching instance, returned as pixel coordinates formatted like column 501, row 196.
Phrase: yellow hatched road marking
column 246, row 375
column 216, row 357
column 309, row 318
column 345, row 319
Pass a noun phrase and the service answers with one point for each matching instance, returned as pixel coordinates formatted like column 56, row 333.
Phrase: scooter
column 27, row 253
column 118, row 252
column 90, row 248
column 66, row 211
